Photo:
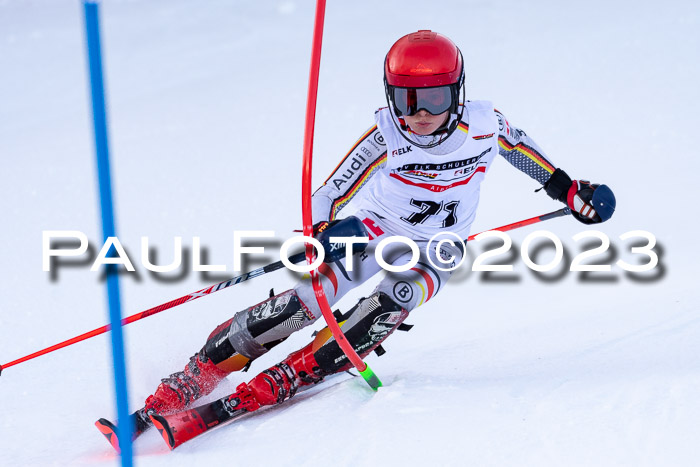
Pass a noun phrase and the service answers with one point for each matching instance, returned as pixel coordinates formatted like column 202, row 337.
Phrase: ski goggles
column 435, row 100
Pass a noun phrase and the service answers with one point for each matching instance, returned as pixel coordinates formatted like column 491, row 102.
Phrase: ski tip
column 161, row 425
column 109, row 430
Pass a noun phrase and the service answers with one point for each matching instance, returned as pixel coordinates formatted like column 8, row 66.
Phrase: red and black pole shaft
column 299, row 257
column 533, row 220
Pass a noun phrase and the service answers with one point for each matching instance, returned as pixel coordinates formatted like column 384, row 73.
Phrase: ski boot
column 174, row 394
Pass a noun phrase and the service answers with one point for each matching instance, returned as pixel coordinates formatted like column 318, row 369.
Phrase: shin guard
column 230, row 347
column 255, row 330
column 366, row 326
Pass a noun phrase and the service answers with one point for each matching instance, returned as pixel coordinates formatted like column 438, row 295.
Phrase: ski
column 111, row 433
column 182, row 426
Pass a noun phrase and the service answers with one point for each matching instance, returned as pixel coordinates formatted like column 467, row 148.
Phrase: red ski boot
column 272, row 386
column 281, row 382
column 175, row 393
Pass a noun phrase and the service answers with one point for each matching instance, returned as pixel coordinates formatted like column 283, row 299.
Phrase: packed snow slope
column 206, row 109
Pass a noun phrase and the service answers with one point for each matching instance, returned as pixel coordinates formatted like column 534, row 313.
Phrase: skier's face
column 425, row 123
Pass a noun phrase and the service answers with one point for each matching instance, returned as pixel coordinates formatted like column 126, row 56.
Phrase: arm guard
column 354, row 171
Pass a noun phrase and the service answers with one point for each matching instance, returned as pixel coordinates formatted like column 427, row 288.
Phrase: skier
column 416, row 172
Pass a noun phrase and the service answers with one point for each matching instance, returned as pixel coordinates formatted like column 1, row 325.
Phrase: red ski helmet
column 424, row 70
column 423, row 59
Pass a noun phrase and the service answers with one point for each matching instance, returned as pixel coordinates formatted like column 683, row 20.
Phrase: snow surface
column 206, row 109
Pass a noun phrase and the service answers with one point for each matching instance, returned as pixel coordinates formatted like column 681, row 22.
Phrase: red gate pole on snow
column 345, row 346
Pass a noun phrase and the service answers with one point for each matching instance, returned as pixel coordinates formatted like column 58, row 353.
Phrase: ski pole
column 533, row 220
column 298, row 258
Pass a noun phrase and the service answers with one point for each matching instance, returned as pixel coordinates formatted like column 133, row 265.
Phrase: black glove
column 589, row 203
column 349, row 227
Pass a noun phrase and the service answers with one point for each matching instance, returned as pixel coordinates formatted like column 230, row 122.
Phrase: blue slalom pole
column 92, row 28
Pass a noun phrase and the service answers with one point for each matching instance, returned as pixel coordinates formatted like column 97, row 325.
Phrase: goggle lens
column 435, row 100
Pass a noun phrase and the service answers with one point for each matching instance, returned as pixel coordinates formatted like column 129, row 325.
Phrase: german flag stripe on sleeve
column 359, row 141
column 339, row 203
column 527, row 151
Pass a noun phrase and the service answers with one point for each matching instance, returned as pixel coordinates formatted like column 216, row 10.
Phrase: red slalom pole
column 343, row 343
